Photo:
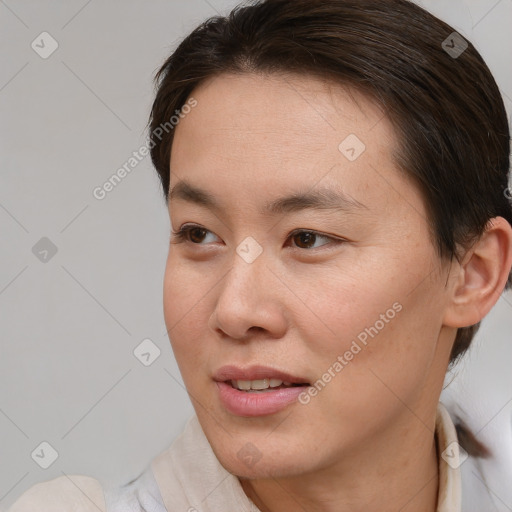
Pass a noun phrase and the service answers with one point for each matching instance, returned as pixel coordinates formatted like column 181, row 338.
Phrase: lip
column 243, row 403
column 231, row 372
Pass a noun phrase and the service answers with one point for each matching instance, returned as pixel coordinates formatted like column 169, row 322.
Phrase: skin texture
column 366, row 440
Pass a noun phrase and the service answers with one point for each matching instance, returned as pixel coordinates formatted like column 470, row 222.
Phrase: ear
column 481, row 277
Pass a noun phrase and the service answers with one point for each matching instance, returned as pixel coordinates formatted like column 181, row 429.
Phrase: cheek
column 385, row 361
column 339, row 307
column 186, row 285
column 186, row 310
column 383, row 318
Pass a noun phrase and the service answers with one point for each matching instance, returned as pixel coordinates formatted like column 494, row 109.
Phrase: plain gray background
column 69, row 325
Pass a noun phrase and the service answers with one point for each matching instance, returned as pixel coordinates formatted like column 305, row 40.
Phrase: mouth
column 262, row 385
column 258, row 390
column 257, row 378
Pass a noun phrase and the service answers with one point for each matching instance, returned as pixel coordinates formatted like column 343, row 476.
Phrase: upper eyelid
column 186, row 227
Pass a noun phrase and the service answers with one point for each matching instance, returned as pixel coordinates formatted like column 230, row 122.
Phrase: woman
column 336, row 174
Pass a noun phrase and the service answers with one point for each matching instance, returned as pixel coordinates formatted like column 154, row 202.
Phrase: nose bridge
column 247, row 272
column 247, row 298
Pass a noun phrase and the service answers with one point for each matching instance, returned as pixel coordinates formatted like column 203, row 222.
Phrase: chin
column 258, row 459
column 260, row 447
column 266, row 467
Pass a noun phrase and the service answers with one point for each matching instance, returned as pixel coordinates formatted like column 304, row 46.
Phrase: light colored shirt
column 188, row 477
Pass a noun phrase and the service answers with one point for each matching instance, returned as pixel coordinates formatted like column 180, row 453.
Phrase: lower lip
column 243, row 403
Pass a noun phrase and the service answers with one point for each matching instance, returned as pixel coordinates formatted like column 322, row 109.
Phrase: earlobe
column 482, row 276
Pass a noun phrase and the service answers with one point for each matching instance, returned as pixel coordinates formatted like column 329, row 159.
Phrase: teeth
column 242, row 384
column 260, row 384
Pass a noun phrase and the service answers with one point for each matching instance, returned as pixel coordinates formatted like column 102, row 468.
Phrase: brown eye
column 307, row 239
column 196, row 235
column 190, row 234
column 304, row 239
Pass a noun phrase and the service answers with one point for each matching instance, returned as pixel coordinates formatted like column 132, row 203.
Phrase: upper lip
column 231, row 372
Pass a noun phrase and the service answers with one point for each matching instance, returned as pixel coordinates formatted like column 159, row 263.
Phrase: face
column 338, row 307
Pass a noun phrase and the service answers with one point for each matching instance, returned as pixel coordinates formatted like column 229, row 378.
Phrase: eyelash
column 181, row 235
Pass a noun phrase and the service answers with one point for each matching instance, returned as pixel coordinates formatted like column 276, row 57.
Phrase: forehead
column 295, row 107
column 258, row 134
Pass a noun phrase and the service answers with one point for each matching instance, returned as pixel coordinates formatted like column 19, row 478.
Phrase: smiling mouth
column 262, row 385
column 257, row 390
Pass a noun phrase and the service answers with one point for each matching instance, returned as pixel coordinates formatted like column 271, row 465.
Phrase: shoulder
column 75, row 493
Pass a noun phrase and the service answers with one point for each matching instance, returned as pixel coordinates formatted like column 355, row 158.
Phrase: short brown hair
column 447, row 110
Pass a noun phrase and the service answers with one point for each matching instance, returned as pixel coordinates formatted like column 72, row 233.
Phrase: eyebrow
column 320, row 198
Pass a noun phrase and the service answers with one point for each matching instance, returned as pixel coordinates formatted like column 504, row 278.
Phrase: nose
column 249, row 302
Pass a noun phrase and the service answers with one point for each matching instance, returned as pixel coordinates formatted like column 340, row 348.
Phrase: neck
column 397, row 472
